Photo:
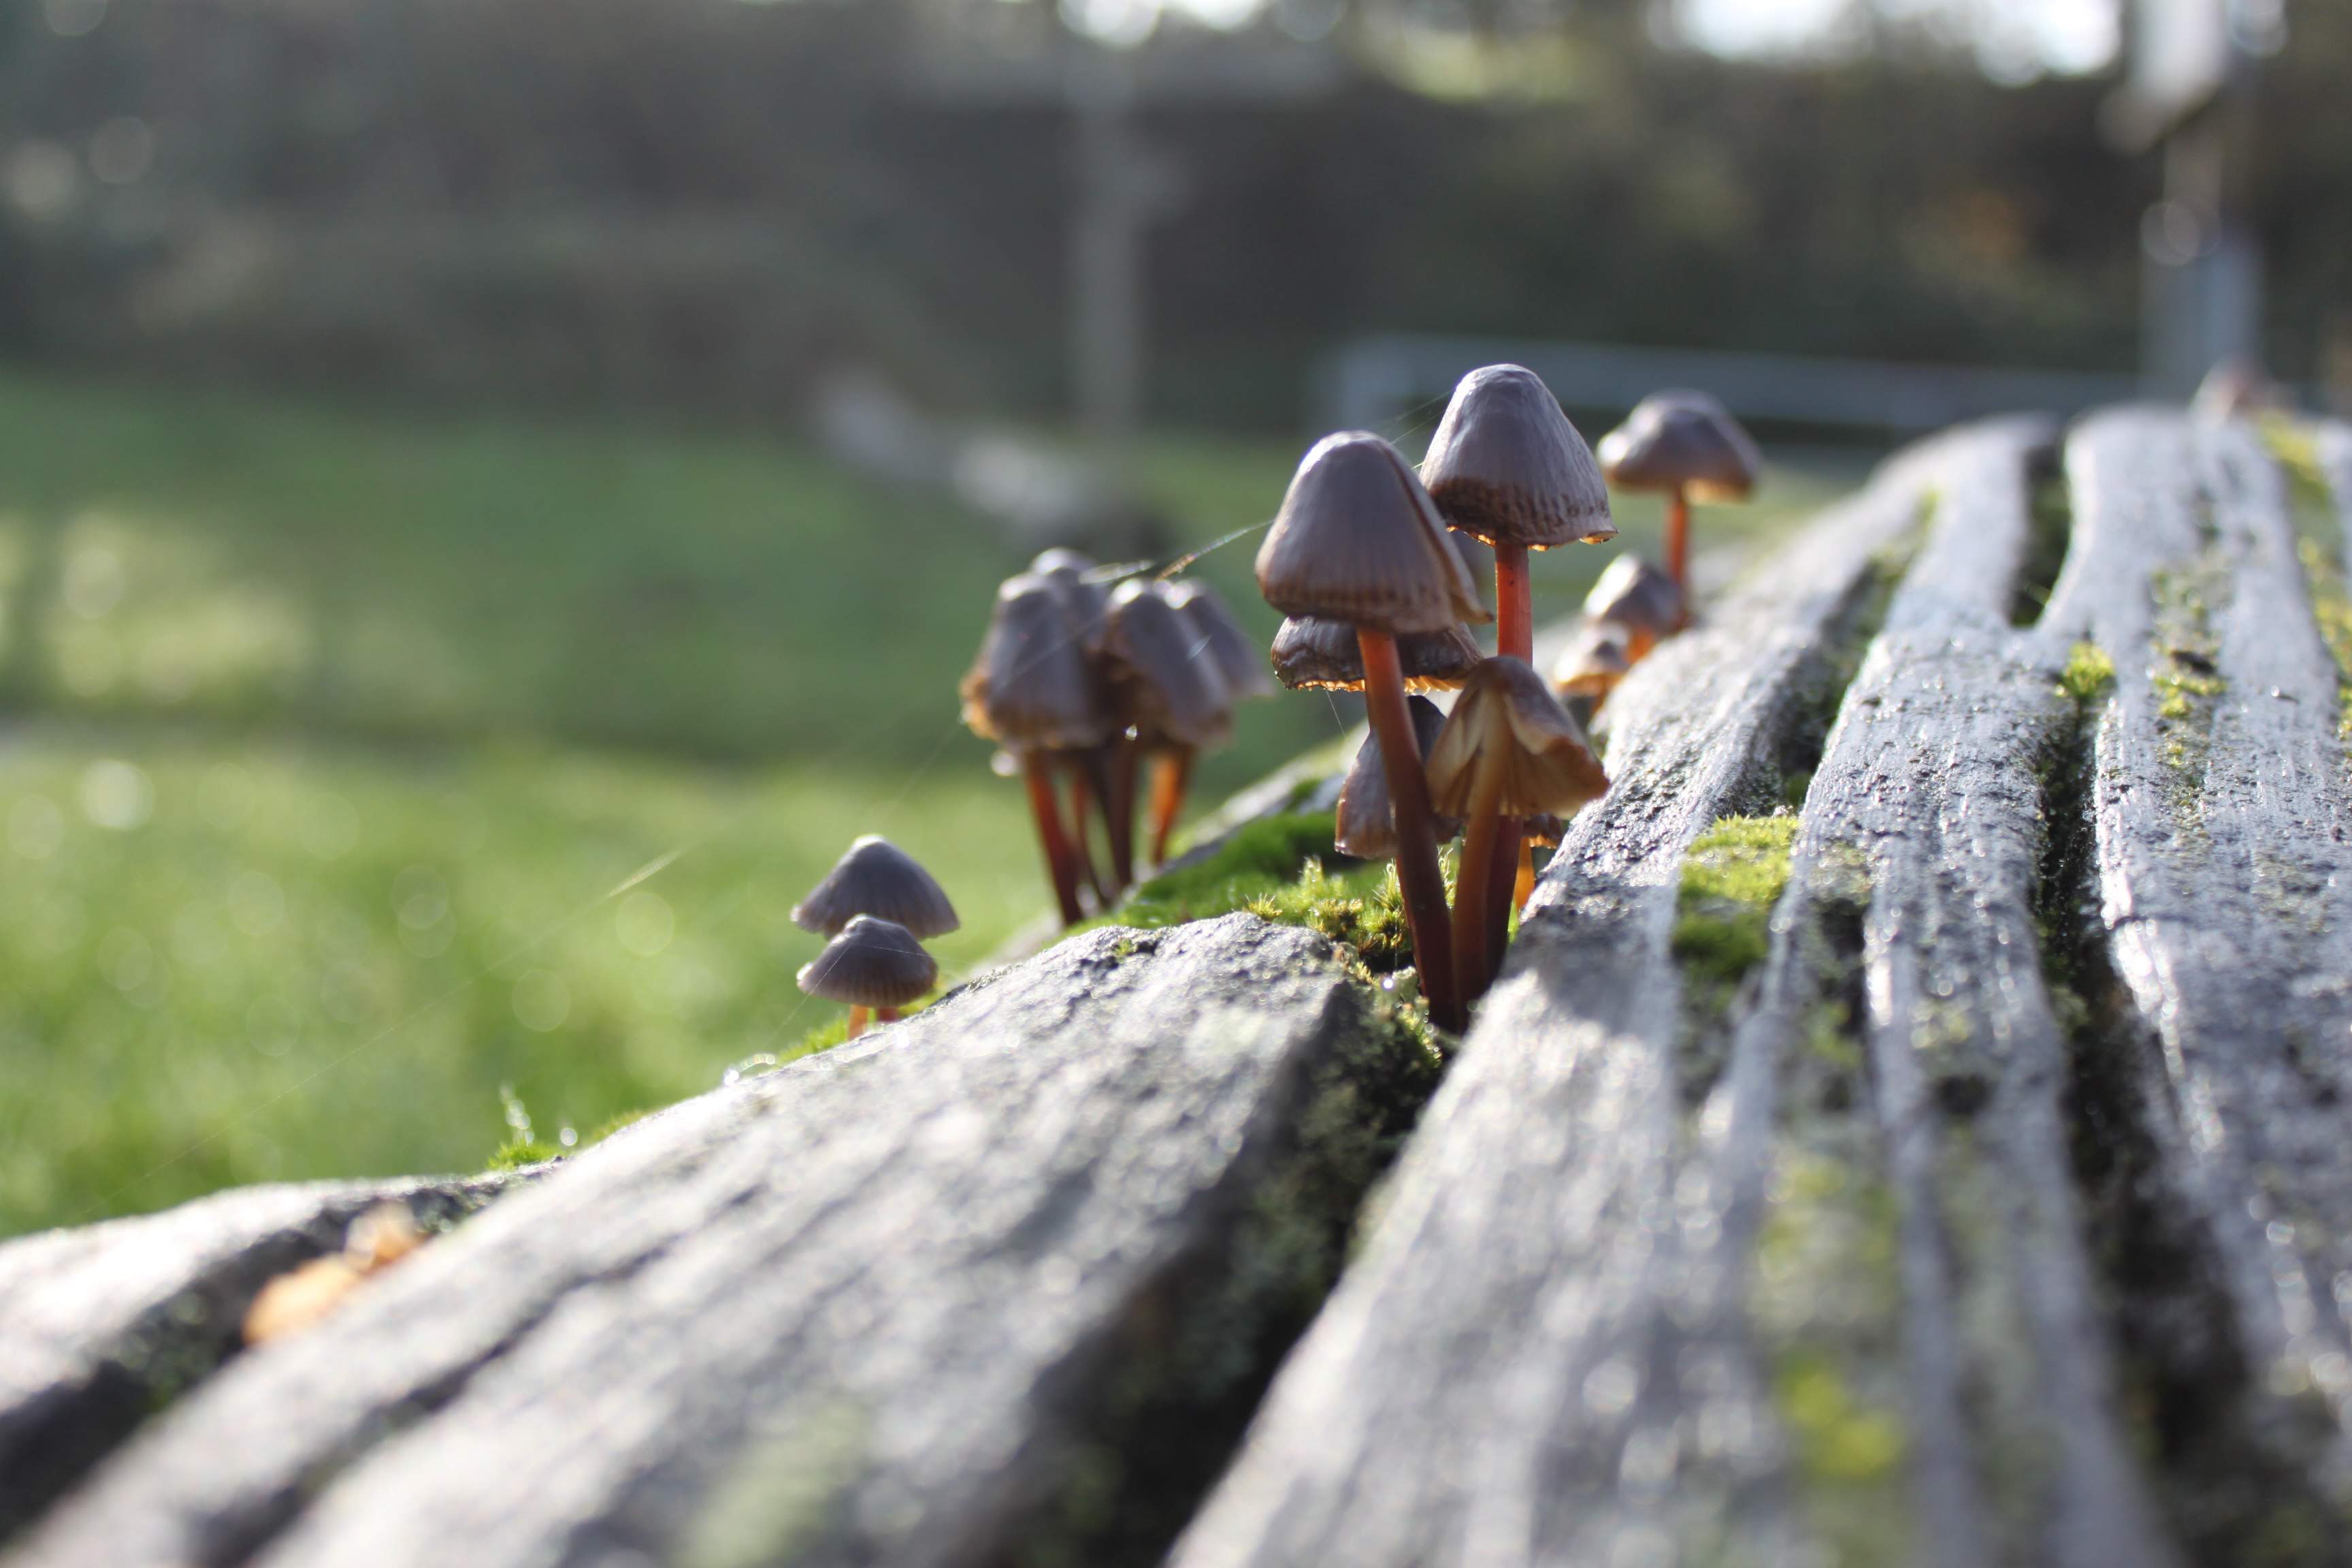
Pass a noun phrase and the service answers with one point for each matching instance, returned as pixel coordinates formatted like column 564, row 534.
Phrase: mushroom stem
column 1081, row 853
column 1039, row 769
column 857, row 1016
column 1419, row 877
column 1515, row 638
column 1119, row 810
column 1171, row 776
column 1473, row 961
column 1678, row 542
column 1523, row 886
column 886, row 1015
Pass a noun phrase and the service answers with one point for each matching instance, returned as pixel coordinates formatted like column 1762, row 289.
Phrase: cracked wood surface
column 839, row 1312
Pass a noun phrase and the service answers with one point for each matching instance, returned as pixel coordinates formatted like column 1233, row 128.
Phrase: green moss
column 1731, row 878
column 1362, row 909
column 2089, row 674
column 1257, row 860
column 2187, row 684
column 517, row 1152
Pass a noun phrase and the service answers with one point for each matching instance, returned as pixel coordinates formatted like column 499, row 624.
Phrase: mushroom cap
column 1638, row 596
column 1324, row 655
column 1594, row 662
column 877, row 878
column 2238, row 389
column 872, row 963
column 1681, row 440
column 1507, row 466
column 1032, row 688
column 1234, row 650
column 1083, row 599
column 1364, row 825
column 1506, row 716
column 1358, row 539
column 1163, row 675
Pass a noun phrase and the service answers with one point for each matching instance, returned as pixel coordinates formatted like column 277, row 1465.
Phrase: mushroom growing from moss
column 1034, row 691
column 1311, row 655
column 1686, row 445
column 1509, row 750
column 874, row 966
column 1358, row 539
column 876, row 878
column 1171, row 693
column 1643, row 604
column 1364, row 825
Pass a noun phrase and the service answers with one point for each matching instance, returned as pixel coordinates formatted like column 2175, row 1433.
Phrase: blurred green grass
column 329, row 735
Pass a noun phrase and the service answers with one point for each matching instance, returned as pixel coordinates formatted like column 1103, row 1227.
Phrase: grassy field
column 355, row 768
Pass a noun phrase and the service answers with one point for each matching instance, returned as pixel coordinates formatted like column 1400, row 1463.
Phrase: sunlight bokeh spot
column 643, row 922
column 116, row 795
column 541, row 1000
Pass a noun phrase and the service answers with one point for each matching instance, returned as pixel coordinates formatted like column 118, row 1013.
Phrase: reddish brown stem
column 1418, row 874
column 857, row 1023
column 1171, row 776
column 1679, row 544
column 1039, row 769
column 1082, row 854
column 1523, row 886
column 1473, row 903
column 1515, row 638
column 886, row 1015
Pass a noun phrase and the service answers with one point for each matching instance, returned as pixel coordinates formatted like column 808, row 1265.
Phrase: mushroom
column 876, row 878
column 1509, row 750
column 1076, row 580
column 1321, row 656
column 1034, row 691
column 1589, row 667
column 1171, row 691
column 1365, row 823
column 1641, row 601
column 874, row 966
column 1220, row 636
column 1508, row 468
column 1687, row 444
column 1358, row 539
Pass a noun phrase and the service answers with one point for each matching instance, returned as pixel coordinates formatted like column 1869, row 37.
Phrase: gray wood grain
column 100, row 1325
column 1523, row 1364
column 844, row 1313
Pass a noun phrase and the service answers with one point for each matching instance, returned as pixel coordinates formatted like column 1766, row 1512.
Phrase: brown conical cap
column 1233, row 649
column 1594, row 662
column 872, row 963
column 1358, row 539
column 1324, row 655
column 1161, row 672
column 1507, row 718
column 1364, row 825
column 1507, row 467
column 1032, row 688
column 876, row 878
column 1638, row 596
column 1681, row 440
column 1083, row 599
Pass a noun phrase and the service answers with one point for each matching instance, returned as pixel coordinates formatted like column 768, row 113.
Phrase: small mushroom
column 1358, row 539
column 1034, row 691
column 1589, row 667
column 1169, row 689
column 1509, row 750
column 1365, row 823
column 1687, row 444
column 1640, row 600
column 1312, row 655
column 876, row 878
column 1223, row 636
column 874, row 966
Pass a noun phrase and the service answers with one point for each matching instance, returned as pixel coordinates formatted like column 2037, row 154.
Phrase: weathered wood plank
column 852, row 1311
column 100, row 1325
column 1517, row 1367
column 2221, row 816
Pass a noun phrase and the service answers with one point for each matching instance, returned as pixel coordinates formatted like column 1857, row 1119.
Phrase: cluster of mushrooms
column 1087, row 674
column 877, row 906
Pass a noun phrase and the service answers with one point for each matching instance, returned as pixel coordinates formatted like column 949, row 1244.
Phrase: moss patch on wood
column 2184, row 673
column 1731, row 878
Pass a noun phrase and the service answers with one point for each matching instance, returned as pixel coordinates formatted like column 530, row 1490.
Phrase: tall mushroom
column 1509, row 750
column 1641, row 601
column 1364, row 825
column 1506, row 466
column 1034, row 691
column 874, row 967
column 1220, row 637
column 1687, row 444
column 1358, row 539
column 1075, row 580
column 1168, row 689
column 876, row 878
